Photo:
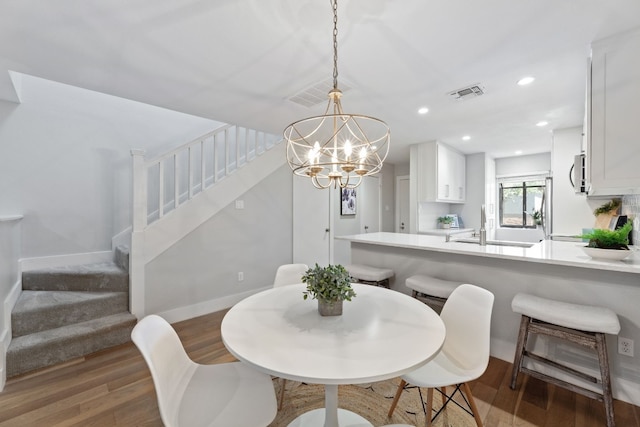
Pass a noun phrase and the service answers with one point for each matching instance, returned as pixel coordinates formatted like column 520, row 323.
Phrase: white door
column 370, row 206
column 402, row 204
column 312, row 236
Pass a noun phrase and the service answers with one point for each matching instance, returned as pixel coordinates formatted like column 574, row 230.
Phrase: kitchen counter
column 546, row 252
column 552, row 269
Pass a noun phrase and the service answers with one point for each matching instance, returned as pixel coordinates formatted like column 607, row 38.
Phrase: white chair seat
column 575, row 316
column 431, row 285
column 442, row 371
column 368, row 273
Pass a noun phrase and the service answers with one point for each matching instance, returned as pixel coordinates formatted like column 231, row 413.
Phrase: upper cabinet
column 439, row 172
column 613, row 145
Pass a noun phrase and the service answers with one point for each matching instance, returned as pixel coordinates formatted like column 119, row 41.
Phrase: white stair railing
column 164, row 183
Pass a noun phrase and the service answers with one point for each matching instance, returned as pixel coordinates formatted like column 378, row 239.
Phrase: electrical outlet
column 625, row 346
column 240, row 276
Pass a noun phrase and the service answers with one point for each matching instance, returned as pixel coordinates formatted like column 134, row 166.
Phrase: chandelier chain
column 335, row 44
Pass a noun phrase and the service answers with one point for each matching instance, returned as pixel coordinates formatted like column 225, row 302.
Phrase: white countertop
column 545, row 252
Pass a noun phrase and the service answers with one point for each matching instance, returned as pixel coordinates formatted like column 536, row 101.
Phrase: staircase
column 68, row 312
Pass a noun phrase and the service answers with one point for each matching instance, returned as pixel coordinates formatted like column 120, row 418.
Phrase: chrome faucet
column 483, row 232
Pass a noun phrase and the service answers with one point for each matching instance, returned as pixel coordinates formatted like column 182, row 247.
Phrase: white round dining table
column 381, row 334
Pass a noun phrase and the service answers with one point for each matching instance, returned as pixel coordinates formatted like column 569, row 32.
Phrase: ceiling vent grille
column 467, row 92
column 317, row 93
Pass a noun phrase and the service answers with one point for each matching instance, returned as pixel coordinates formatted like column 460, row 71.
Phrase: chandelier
column 336, row 148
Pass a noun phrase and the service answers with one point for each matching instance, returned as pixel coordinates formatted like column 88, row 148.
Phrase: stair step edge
column 26, row 354
column 33, row 301
column 87, row 328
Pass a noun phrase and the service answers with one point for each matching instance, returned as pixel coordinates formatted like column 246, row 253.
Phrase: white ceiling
column 238, row 61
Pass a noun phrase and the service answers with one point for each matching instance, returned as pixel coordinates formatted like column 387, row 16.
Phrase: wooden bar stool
column 581, row 324
column 431, row 290
column 370, row 275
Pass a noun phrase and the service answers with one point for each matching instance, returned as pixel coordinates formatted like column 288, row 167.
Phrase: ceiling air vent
column 317, row 93
column 467, row 92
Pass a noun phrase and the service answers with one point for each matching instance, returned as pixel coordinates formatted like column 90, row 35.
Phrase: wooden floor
column 114, row 388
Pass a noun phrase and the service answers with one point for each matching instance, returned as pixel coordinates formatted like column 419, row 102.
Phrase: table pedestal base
column 316, row 418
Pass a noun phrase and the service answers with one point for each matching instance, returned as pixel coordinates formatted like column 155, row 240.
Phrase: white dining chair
column 289, row 274
column 464, row 355
column 191, row 394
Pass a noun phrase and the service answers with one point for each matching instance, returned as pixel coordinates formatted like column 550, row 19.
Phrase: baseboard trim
column 28, row 264
column 206, row 307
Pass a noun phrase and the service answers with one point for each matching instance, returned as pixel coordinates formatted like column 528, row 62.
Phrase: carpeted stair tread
column 46, row 348
column 36, row 311
column 106, row 276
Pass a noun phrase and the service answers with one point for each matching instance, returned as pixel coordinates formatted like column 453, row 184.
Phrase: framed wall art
column 348, row 201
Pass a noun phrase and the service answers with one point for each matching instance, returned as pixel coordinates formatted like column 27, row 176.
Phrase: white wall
column 65, row 162
column 571, row 212
column 521, row 165
column 204, row 266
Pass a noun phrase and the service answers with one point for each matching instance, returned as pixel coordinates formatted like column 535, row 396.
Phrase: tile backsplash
column 631, row 208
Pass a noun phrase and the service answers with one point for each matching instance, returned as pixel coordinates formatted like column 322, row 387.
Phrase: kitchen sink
column 496, row 243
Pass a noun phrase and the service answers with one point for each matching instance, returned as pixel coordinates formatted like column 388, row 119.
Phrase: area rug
column 372, row 401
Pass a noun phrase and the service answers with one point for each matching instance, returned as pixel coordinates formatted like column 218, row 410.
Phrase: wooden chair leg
column 282, row 387
column 520, row 348
column 472, row 403
column 603, row 358
column 429, row 406
column 401, row 386
column 443, row 394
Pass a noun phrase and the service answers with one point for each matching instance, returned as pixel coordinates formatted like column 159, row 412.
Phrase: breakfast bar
column 552, row 269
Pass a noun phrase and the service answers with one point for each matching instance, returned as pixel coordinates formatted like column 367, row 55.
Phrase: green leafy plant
column 331, row 283
column 609, row 239
column 445, row 220
column 612, row 205
column 537, row 217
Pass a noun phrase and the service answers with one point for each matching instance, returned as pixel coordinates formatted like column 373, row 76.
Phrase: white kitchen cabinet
column 439, row 173
column 613, row 146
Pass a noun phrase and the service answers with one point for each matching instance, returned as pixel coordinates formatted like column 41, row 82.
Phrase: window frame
column 522, row 180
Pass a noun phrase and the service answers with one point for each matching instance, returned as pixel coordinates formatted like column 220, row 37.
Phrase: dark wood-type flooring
column 114, row 388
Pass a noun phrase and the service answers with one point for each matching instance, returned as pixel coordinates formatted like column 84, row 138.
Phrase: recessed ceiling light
column 542, row 123
column 423, row 110
column 519, row 152
column 466, row 138
column 525, row 81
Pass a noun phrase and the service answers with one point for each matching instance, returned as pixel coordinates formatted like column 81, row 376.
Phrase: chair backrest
column 467, row 317
column 289, row 274
column 170, row 366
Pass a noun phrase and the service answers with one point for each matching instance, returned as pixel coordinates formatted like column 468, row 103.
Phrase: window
column 518, row 199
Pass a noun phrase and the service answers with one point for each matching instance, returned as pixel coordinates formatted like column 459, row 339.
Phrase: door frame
column 397, row 193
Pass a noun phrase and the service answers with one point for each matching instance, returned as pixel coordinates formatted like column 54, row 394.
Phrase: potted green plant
column 445, row 221
column 609, row 241
column 537, row 217
column 330, row 285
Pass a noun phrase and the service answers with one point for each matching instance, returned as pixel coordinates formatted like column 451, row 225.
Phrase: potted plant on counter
column 330, row 285
column 445, row 221
column 608, row 244
column 536, row 216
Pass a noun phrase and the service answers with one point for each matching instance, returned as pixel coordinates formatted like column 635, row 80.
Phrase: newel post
column 139, row 223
